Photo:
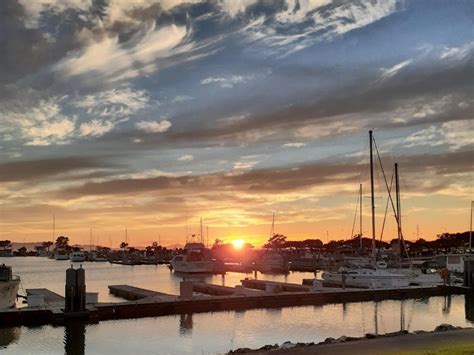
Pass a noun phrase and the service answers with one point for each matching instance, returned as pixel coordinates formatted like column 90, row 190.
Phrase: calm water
column 211, row 333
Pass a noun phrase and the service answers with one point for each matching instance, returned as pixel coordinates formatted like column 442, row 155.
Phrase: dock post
column 186, row 290
column 75, row 291
column 469, row 273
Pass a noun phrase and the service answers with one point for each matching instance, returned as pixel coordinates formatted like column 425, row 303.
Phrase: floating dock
column 208, row 298
column 133, row 293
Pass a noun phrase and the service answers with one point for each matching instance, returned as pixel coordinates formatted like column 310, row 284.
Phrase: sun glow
column 238, row 243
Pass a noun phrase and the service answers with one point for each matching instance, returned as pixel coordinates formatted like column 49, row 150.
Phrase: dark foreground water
column 209, row 333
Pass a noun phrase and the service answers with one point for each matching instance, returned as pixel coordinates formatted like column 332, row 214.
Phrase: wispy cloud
column 114, row 103
column 187, row 157
column 43, row 124
column 294, row 145
column 389, row 72
column 95, row 128
column 94, row 62
column 153, row 126
column 227, row 81
column 457, row 53
column 456, row 134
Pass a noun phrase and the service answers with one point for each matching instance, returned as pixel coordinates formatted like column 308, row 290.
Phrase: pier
column 132, row 293
column 206, row 298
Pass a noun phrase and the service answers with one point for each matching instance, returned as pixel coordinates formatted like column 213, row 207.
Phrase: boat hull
column 368, row 280
column 8, row 292
column 61, row 257
column 196, row 267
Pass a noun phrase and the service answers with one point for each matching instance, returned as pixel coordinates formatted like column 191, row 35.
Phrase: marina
column 236, row 176
column 47, row 307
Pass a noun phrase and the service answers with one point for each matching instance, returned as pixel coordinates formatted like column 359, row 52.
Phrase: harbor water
column 210, row 333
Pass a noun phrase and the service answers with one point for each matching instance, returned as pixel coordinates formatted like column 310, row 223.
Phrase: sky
column 150, row 115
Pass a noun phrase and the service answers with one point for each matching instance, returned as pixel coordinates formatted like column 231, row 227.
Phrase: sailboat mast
column 372, row 198
column 272, row 232
column 202, row 237
column 399, row 214
column 54, row 226
column 360, row 217
column 470, row 231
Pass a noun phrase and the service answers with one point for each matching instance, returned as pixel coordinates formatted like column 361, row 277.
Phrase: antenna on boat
column 372, row 198
column 272, row 231
column 126, row 235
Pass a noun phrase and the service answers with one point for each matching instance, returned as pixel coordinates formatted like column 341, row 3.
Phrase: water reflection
column 447, row 304
column 74, row 337
column 186, row 324
column 8, row 336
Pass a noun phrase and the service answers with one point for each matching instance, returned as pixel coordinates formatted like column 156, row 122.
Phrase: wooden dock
column 211, row 289
column 251, row 295
column 51, row 298
column 133, row 293
column 262, row 285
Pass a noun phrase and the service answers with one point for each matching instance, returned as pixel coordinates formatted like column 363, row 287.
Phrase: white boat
column 378, row 276
column 9, row 286
column 195, row 259
column 272, row 262
column 77, row 256
column 61, row 254
column 366, row 278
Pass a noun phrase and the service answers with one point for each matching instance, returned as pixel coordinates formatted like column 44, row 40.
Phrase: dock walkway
column 250, row 295
column 50, row 298
column 133, row 293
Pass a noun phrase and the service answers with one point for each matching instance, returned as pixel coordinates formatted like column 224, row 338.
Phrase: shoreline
column 445, row 337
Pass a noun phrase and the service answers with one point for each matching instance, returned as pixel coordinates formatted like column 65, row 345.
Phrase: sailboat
column 369, row 277
column 272, row 261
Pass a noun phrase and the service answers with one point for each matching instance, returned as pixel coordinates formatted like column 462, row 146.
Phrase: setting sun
column 238, row 244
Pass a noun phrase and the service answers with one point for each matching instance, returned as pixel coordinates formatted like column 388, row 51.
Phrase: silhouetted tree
column 62, row 242
column 47, row 245
column 5, row 244
column 276, row 241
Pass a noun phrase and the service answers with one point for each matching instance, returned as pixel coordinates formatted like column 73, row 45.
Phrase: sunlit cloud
column 187, row 157
column 154, row 126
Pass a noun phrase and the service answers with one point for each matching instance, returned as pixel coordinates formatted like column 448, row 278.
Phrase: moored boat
column 195, row 259
column 77, row 256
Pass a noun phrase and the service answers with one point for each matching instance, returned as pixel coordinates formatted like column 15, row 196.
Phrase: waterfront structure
column 9, row 286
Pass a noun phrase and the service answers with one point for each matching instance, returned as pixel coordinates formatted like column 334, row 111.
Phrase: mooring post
column 75, row 290
column 469, row 272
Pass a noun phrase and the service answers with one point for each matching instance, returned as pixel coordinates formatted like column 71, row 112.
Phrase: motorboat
column 9, row 286
column 61, row 254
column 195, row 259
